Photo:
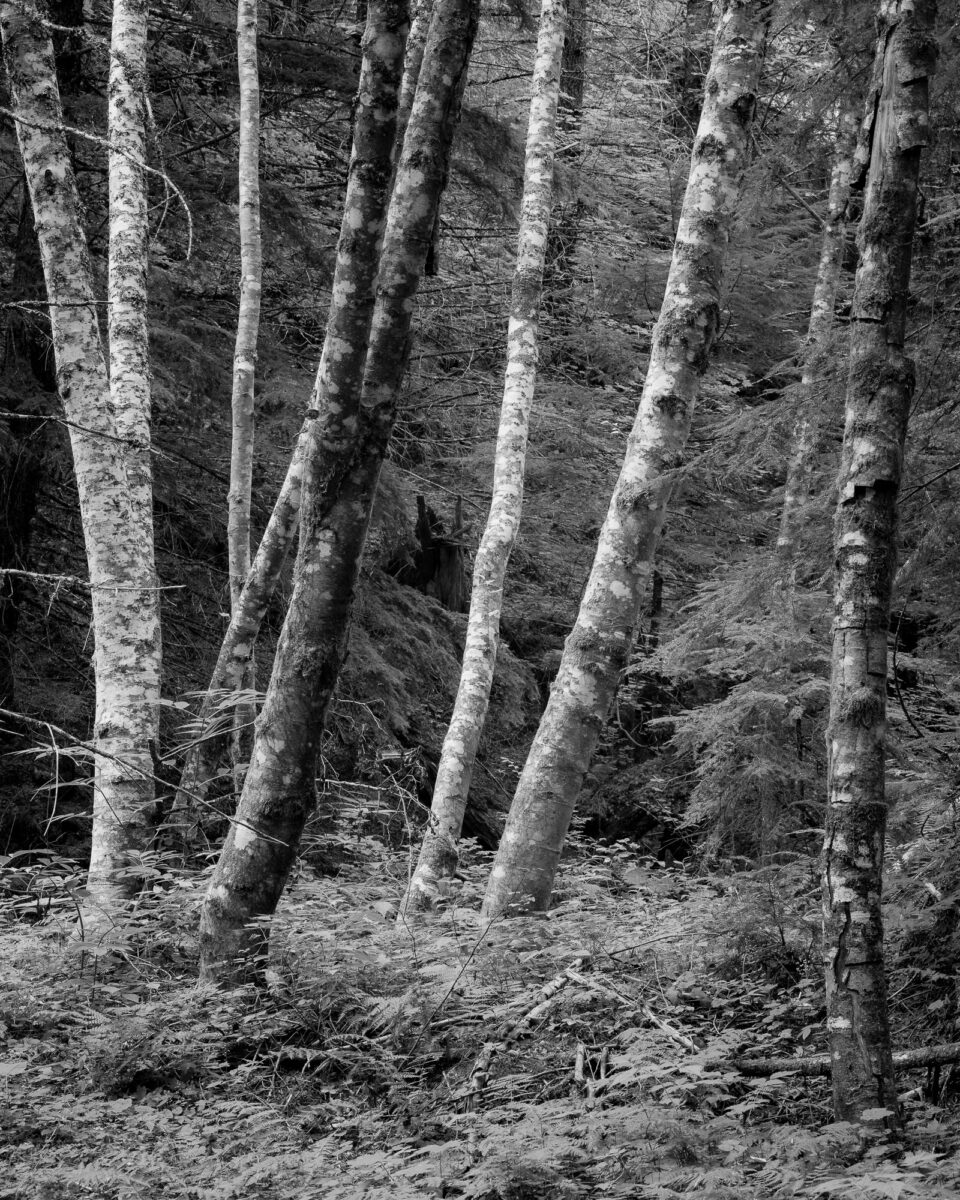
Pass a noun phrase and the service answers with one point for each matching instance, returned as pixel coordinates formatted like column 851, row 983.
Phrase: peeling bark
column 598, row 648
column 880, row 386
column 110, row 450
column 438, row 854
column 355, row 402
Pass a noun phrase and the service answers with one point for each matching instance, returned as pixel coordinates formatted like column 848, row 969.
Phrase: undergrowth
column 584, row 1052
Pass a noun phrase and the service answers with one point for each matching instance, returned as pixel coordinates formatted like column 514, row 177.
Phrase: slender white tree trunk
column 598, row 648
column 248, row 326
column 438, row 854
column 109, row 430
column 880, row 387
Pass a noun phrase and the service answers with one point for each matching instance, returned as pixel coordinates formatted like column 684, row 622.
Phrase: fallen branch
column 819, row 1064
column 473, row 1092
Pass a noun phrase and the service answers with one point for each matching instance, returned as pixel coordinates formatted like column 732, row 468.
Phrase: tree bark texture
column 880, row 386
column 108, row 459
column 248, row 325
column 341, row 471
column 438, row 854
column 564, row 231
column 598, row 648
column 278, row 792
column 416, row 41
column 797, row 488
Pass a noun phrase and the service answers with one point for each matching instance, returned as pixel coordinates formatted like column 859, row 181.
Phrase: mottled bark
column 279, row 789
column 438, row 854
column 598, row 648
column 248, row 327
column 879, row 390
column 419, row 28
column 108, row 453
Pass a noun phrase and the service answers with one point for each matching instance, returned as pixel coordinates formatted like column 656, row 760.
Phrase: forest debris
column 926, row 1056
column 478, row 1076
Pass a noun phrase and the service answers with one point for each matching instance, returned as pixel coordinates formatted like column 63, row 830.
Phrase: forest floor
column 582, row 1052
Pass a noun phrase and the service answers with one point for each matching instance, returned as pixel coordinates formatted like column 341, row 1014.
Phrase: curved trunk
column 880, row 387
column 110, row 454
column 598, row 648
column 438, row 854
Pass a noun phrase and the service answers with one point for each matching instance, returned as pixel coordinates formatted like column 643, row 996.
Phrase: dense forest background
column 699, row 826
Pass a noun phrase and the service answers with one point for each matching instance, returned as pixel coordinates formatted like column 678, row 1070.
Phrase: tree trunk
column 279, row 790
column 108, row 462
column 598, row 648
column 564, row 229
column 419, row 28
column 879, row 390
column 816, row 346
column 245, row 348
column 438, row 854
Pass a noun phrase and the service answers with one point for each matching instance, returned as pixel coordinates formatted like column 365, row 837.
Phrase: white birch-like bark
column 110, row 451
column 880, row 387
column 438, row 854
column 598, row 648
column 797, row 485
column 248, row 326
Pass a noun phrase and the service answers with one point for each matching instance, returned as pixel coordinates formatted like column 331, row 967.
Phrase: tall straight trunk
column 599, row 646
column 564, row 231
column 880, row 386
column 248, row 327
column 109, row 452
column 341, row 471
column 438, row 854
column 819, row 328
column 816, row 346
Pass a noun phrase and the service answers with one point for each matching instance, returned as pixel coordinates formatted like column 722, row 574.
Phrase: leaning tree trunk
column 879, row 390
column 108, row 463
column 438, row 854
column 342, row 467
column 248, row 325
column 598, row 648
column 213, row 724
